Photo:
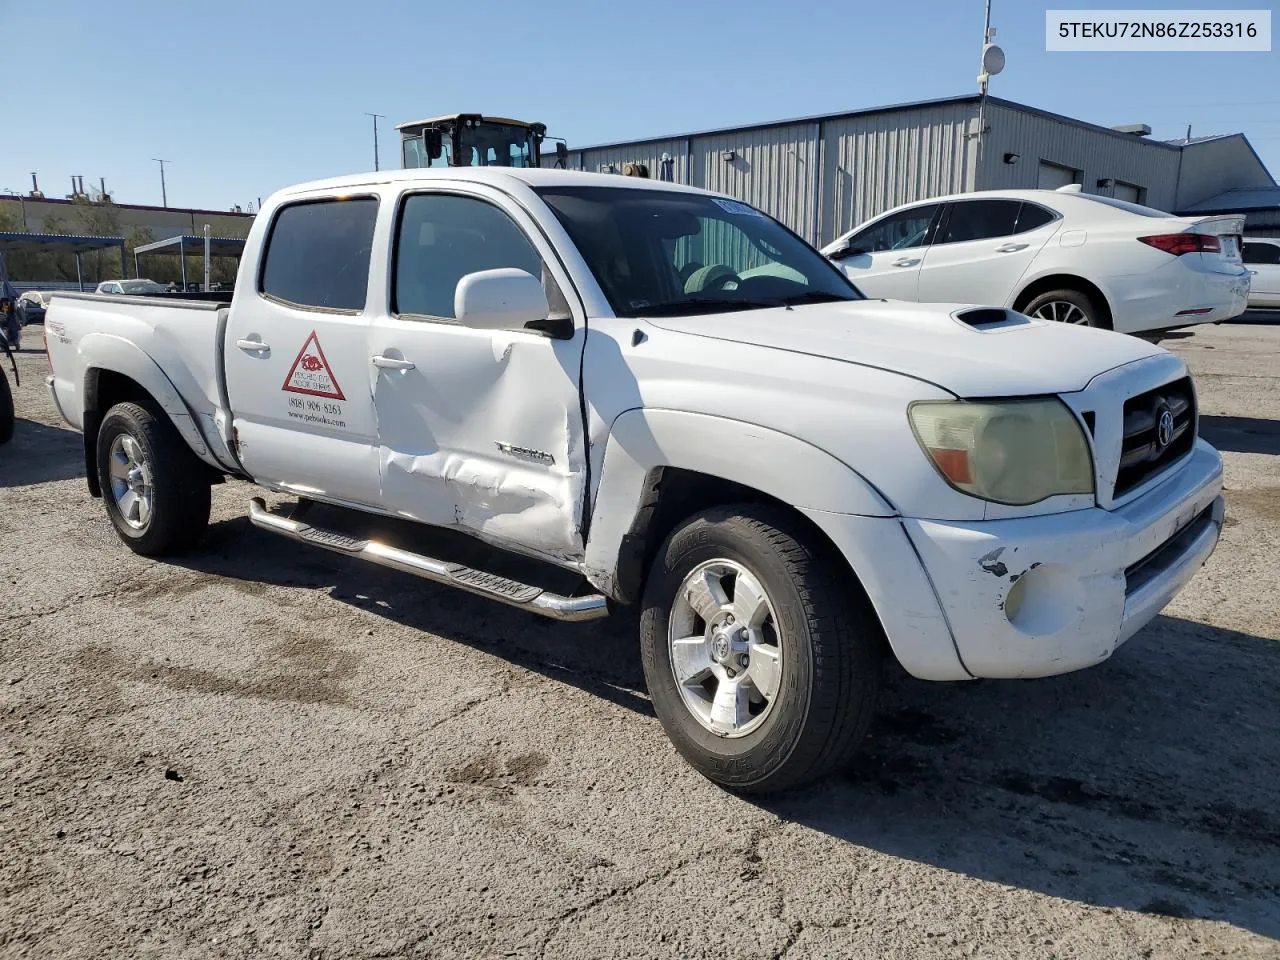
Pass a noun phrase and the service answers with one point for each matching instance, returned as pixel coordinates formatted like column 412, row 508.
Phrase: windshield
column 141, row 286
column 495, row 145
column 664, row 253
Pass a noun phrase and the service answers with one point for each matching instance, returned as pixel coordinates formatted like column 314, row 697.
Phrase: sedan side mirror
column 503, row 299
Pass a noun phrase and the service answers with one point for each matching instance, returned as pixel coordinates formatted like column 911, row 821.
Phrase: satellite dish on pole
column 992, row 59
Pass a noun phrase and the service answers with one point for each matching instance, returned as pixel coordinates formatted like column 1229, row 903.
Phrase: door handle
column 906, row 262
column 253, row 346
column 1012, row 247
column 392, row 363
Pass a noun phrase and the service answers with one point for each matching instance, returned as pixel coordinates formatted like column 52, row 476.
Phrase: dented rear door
column 477, row 429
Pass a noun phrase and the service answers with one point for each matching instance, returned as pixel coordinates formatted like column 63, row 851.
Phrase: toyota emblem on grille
column 1164, row 427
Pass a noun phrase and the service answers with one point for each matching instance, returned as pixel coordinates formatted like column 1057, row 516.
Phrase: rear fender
column 104, row 351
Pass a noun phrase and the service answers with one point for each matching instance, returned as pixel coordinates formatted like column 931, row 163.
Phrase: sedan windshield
column 667, row 253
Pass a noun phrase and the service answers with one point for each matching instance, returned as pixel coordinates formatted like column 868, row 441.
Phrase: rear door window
column 1261, row 253
column 318, row 254
column 1032, row 216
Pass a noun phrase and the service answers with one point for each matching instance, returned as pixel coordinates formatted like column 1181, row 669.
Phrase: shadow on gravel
column 600, row 657
column 40, row 454
column 1241, row 434
column 1147, row 783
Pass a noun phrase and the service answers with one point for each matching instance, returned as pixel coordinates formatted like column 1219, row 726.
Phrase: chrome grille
column 1159, row 429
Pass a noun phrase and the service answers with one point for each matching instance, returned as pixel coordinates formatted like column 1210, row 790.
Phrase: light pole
column 164, row 194
column 376, row 118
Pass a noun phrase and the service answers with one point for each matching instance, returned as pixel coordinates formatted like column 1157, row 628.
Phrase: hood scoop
column 988, row 318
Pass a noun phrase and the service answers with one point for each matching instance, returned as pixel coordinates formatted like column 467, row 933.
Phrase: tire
column 7, row 413
column 175, row 480
column 1067, row 306
column 829, row 644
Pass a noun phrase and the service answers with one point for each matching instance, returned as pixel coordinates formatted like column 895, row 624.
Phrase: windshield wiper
column 813, row 296
column 678, row 308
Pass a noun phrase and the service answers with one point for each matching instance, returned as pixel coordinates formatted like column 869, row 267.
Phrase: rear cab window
column 318, row 252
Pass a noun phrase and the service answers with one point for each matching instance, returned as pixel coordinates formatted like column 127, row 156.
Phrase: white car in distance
column 1262, row 260
column 1053, row 254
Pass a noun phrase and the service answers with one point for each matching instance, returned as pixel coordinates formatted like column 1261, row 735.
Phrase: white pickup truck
column 667, row 392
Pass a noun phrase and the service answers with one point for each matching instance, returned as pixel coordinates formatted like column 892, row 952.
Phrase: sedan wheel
column 1060, row 311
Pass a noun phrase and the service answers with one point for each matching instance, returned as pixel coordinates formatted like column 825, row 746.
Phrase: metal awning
column 179, row 247
column 58, row 243
column 218, row 246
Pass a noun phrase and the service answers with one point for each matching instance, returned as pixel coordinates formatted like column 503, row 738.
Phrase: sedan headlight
column 1016, row 452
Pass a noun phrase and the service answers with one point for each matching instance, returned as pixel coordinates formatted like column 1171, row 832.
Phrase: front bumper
column 1037, row 596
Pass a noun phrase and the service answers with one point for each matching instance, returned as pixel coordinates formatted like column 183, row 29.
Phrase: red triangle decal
column 310, row 373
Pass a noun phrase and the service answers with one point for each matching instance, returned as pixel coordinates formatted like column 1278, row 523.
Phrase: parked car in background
column 1054, row 254
column 33, row 303
column 1262, row 259
column 130, row 287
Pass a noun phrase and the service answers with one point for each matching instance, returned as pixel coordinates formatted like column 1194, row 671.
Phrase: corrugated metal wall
column 774, row 169
column 1144, row 163
column 819, row 178
column 875, row 162
column 825, row 176
column 1207, row 164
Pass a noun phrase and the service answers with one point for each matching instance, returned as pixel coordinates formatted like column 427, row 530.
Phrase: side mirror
column 434, row 143
column 562, row 151
column 504, row 299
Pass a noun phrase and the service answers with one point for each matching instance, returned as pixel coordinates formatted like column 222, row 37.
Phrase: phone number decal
column 1163, row 30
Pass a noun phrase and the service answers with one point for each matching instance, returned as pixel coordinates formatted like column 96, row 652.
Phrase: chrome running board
column 511, row 592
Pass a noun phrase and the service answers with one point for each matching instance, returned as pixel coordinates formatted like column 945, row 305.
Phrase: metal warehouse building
column 824, row 175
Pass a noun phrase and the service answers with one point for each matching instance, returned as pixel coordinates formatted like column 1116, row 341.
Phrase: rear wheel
column 7, row 413
column 155, row 489
column 1066, row 306
column 761, row 659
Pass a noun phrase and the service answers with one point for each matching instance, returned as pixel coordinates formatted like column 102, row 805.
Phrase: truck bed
column 170, row 343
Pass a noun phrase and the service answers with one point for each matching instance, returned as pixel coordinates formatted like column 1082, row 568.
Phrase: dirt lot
column 263, row 750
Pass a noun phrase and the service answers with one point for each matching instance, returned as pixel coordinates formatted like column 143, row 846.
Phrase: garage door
column 1053, row 175
column 1127, row 191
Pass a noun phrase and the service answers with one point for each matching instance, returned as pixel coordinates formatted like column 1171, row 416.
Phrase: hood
column 1011, row 356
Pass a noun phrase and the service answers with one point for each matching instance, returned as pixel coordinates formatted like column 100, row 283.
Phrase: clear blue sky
column 246, row 97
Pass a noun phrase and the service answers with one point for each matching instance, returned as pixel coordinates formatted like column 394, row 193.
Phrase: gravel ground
column 263, row 750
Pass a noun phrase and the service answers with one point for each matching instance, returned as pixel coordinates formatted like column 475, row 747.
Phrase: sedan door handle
column 253, row 346
column 906, row 262
column 392, row 363
column 1012, row 247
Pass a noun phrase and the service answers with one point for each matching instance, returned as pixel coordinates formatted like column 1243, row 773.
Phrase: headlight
column 1008, row 451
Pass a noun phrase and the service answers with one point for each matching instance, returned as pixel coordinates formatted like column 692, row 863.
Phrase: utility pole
column 376, row 118
column 164, row 194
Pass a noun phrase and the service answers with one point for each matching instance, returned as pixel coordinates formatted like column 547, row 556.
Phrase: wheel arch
column 1065, row 281
column 118, row 372
column 661, row 466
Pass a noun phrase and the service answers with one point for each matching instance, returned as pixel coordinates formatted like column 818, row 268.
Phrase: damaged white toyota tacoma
column 667, row 394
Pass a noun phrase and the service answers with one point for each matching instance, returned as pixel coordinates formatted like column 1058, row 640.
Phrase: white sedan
column 1055, row 254
column 1262, row 258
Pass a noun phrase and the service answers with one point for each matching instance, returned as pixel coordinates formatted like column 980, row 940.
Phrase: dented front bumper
column 1037, row 596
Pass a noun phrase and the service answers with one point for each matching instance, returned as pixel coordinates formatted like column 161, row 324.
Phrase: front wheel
column 155, row 489
column 761, row 658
